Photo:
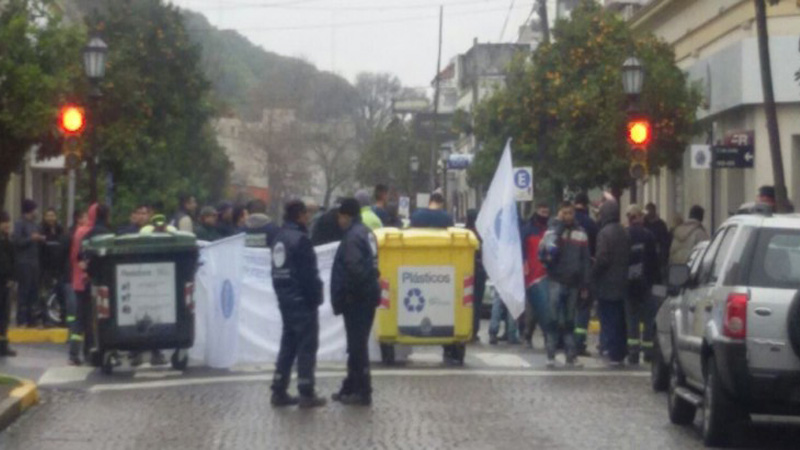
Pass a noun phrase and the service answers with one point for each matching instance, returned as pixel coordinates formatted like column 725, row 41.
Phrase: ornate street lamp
column 94, row 59
column 632, row 76
column 94, row 64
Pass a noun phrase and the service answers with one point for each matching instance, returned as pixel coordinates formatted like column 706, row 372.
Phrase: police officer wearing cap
column 295, row 278
column 355, row 294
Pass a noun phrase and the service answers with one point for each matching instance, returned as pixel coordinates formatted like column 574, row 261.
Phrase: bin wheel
column 387, row 354
column 180, row 360
column 459, row 352
column 109, row 361
column 96, row 358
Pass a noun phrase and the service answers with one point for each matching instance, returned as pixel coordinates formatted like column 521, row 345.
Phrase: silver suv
column 734, row 319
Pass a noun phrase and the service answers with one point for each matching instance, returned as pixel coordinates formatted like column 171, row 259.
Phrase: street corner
column 16, row 396
column 37, row 335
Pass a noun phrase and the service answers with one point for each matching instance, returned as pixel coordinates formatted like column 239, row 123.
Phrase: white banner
column 237, row 317
column 498, row 225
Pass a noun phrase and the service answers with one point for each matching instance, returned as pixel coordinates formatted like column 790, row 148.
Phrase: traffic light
column 639, row 133
column 71, row 120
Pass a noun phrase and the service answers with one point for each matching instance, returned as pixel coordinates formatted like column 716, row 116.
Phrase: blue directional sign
column 523, row 182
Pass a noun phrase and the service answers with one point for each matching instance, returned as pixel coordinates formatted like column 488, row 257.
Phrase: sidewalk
column 16, row 396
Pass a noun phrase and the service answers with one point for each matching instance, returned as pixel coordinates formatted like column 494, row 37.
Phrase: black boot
column 282, row 399
column 5, row 350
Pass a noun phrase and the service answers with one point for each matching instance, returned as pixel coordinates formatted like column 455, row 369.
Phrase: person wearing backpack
column 564, row 251
column 643, row 273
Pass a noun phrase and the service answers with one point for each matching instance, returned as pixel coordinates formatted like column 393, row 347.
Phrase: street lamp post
column 94, row 64
column 414, row 166
column 632, row 83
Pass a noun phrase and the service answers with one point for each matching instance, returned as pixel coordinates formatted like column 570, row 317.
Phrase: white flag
column 498, row 226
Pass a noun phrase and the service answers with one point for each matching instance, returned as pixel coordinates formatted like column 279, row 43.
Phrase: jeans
column 582, row 318
column 29, row 304
column 497, row 311
column 299, row 340
column 539, row 303
column 563, row 302
column 612, row 322
column 358, row 320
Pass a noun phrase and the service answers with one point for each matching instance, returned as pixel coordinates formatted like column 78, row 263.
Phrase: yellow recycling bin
column 427, row 279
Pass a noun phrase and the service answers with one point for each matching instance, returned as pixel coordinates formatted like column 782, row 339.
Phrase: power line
column 290, row 5
column 360, row 23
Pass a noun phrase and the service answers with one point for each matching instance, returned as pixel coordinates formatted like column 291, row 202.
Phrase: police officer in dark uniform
column 259, row 228
column 296, row 280
column 355, row 294
column 643, row 273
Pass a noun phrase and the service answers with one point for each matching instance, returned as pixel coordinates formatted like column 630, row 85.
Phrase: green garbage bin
column 142, row 294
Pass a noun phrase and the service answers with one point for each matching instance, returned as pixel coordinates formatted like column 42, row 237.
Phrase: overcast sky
column 351, row 36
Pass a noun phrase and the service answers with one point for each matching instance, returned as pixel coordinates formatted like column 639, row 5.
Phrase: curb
column 38, row 336
column 21, row 398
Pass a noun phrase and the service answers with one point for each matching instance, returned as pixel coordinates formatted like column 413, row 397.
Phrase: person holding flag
column 498, row 226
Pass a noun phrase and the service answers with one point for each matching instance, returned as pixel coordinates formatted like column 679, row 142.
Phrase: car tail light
column 101, row 296
column 188, row 296
column 735, row 324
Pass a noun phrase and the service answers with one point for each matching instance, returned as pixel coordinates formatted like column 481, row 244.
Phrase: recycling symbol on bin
column 414, row 301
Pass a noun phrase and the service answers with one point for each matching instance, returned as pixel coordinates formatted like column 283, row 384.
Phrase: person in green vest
column 368, row 216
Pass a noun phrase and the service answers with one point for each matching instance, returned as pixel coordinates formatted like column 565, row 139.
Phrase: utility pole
column 435, row 137
column 542, row 138
column 545, row 21
column 769, row 107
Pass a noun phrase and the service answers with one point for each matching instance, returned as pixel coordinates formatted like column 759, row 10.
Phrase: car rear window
column 776, row 263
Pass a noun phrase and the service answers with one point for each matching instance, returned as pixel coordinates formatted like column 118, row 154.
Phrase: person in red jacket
column 535, row 273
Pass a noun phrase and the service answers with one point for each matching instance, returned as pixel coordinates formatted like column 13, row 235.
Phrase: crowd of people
column 572, row 263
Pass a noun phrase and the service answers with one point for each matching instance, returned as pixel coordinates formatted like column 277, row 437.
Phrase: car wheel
column 681, row 412
column 659, row 370
column 720, row 413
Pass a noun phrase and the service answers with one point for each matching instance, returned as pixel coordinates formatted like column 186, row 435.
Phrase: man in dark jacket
column 6, row 275
column 480, row 277
column 261, row 231
column 27, row 240
column 610, row 274
column 207, row 229
column 584, row 312
column 642, row 275
column 434, row 216
column 661, row 234
column 381, row 203
column 326, row 229
column 296, row 280
column 564, row 250
column 355, row 293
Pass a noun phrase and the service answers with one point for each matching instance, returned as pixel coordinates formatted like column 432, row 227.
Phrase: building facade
column 715, row 43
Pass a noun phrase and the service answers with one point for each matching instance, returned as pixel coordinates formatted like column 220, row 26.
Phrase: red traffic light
column 639, row 132
column 72, row 120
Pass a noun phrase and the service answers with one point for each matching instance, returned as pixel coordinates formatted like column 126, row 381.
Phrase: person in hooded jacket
column 79, row 303
column 610, row 275
column 261, row 231
column 225, row 224
column 687, row 235
column 295, row 277
column 355, row 294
